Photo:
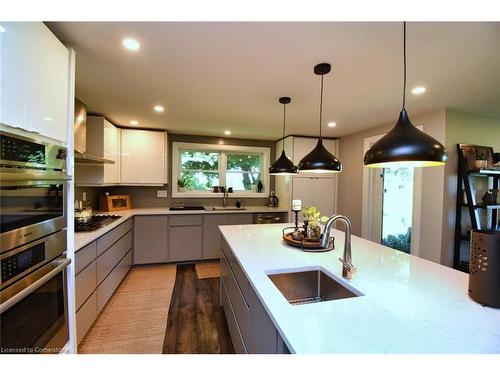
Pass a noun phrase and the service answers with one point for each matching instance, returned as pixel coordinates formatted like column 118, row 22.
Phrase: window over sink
column 198, row 168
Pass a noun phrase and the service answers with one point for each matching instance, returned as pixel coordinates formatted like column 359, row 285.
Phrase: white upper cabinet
column 111, row 151
column 34, row 79
column 103, row 141
column 143, row 157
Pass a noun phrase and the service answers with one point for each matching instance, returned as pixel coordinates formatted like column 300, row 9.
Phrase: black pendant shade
column 320, row 160
column 405, row 146
column 283, row 165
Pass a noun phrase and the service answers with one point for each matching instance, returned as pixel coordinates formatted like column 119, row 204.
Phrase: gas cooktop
column 94, row 222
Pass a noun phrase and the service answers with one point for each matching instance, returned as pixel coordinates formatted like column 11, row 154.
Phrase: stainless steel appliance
column 34, row 307
column 33, row 291
column 94, row 222
column 273, row 200
column 32, row 188
column 270, row 218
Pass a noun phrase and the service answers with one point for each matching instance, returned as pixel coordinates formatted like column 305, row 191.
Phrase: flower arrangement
column 313, row 218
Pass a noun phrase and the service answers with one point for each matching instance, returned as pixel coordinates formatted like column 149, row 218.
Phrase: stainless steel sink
column 311, row 286
column 225, row 208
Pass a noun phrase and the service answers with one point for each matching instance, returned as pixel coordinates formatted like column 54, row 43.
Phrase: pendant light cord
column 284, row 122
column 404, row 65
column 321, row 107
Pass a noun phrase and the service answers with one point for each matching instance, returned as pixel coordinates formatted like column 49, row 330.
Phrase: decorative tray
column 304, row 244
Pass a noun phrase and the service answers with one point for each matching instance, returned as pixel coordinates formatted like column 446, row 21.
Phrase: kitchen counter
column 409, row 305
column 84, row 238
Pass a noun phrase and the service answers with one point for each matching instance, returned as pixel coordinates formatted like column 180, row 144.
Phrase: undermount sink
column 225, row 208
column 311, row 286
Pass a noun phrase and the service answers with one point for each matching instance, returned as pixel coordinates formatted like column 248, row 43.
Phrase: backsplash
column 145, row 197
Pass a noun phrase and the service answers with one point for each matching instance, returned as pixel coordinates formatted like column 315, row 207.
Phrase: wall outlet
column 161, row 194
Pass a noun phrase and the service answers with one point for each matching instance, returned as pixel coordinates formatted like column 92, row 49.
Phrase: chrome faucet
column 225, row 195
column 347, row 267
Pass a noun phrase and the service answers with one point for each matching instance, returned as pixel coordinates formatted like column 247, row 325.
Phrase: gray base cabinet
column 251, row 329
column 150, row 239
column 184, row 243
column 100, row 267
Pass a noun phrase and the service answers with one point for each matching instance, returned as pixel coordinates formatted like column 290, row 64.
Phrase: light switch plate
column 161, row 194
column 84, row 196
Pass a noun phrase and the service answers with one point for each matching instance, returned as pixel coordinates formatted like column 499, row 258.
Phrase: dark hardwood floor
column 196, row 323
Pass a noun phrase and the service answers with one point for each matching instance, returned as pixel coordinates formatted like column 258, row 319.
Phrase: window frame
column 265, row 153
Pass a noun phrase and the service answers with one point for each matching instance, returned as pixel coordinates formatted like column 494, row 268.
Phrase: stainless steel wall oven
column 33, row 287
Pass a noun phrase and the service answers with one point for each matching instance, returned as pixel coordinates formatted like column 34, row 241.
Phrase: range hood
column 80, row 137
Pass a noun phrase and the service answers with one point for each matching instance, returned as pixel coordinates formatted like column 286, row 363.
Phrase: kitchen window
column 197, row 168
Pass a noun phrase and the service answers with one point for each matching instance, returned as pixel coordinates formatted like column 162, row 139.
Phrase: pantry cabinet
column 34, row 78
column 143, row 157
column 313, row 189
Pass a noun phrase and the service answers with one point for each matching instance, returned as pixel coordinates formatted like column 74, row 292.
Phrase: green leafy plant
column 481, row 155
column 313, row 216
column 185, row 180
column 399, row 242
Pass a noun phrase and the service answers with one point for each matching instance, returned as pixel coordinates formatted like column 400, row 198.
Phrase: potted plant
column 313, row 218
column 481, row 160
column 182, row 183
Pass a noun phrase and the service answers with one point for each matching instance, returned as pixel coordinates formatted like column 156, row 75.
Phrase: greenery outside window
column 197, row 168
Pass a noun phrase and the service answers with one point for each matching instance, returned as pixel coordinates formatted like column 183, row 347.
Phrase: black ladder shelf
column 466, row 174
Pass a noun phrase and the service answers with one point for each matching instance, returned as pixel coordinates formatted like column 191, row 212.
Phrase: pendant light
column 405, row 145
column 320, row 160
column 283, row 165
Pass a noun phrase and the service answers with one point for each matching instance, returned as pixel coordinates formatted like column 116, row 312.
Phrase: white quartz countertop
column 84, row 238
column 409, row 305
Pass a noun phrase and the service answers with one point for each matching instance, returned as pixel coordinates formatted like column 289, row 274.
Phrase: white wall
column 350, row 192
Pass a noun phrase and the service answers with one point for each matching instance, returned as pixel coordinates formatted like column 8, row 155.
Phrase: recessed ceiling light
column 159, row 108
column 332, row 124
column 227, row 132
column 134, row 122
column 131, row 44
column 418, row 90
column 2, row 29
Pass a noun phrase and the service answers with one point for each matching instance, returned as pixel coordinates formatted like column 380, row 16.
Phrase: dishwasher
column 270, row 218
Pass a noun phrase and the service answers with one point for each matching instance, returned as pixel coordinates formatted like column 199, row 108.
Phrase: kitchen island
column 406, row 304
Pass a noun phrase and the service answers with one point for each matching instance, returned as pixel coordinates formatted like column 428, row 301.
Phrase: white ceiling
column 217, row 76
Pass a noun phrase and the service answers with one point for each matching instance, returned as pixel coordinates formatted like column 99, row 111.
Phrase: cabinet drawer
column 240, row 219
column 224, row 299
column 240, row 307
column 128, row 225
column 110, row 283
column 128, row 241
column 238, row 344
column 263, row 336
column 85, row 256
column 107, row 261
column 185, row 220
column 104, row 242
column 85, row 284
column 224, row 270
column 85, row 317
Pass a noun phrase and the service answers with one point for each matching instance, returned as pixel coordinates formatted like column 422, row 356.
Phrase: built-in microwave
column 33, row 181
